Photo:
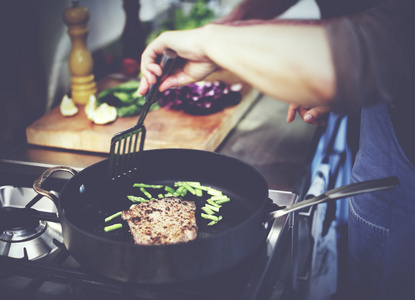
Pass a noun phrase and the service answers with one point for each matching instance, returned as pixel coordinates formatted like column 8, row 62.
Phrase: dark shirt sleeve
column 374, row 59
column 373, row 54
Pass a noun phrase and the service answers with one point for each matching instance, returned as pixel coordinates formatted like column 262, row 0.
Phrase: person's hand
column 192, row 65
column 315, row 115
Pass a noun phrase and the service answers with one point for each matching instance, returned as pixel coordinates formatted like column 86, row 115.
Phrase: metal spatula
column 127, row 145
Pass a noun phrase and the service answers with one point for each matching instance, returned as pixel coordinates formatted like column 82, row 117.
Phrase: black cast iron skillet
column 90, row 196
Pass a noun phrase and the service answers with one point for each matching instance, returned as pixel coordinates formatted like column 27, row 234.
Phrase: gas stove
column 36, row 265
column 25, row 233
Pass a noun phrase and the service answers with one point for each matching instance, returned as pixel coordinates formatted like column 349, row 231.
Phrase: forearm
column 289, row 62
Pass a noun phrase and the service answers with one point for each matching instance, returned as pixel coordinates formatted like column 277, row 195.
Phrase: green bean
column 113, row 227
column 109, row 218
column 150, row 186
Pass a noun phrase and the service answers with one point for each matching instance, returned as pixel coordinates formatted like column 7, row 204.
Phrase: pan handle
column 37, row 185
column 338, row 193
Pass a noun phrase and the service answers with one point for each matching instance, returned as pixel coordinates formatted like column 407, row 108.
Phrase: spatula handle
column 166, row 64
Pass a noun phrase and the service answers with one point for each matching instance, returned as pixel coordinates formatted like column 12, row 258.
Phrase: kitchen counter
column 262, row 139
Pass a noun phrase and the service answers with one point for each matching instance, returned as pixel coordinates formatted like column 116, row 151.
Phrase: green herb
column 112, row 227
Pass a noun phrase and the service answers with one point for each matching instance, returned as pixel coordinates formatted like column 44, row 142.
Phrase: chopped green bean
column 198, row 192
column 150, row 186
column 212, row 223
column 214, row 192
column 210, row 217
column 208, row 210
column 218, row 197
column 136, row 199
column 193, row 183
column 109, row 218
column 224, row 200
column 113, row 227
column 181, row 191
column 200, row 187
column 169, row 189
column 189, row 188
column 144, row 191
column 211, row 207
column 213, row 203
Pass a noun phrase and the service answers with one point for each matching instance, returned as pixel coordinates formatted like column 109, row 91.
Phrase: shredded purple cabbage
column 200, row 98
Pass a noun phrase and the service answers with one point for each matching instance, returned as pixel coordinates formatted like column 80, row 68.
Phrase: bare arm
column 291, row 63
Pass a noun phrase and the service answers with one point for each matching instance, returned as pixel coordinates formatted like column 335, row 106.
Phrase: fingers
column 316, row 115
column 292, row 110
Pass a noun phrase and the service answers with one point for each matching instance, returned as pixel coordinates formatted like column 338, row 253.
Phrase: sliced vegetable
column 208, row 210
column 181, row 191
column 125, row 99
column 144, row 191
column 219, row 197
column 137, row 199
column 189, row 188
column 112, row 227
column 200, row 98
column 149, row 186
column 169, row 189
column 198, row 192
column 223, row 201
column 213, row 203
column 211, row 207
column 211, row 217
column 109, row 218
column 214, row 192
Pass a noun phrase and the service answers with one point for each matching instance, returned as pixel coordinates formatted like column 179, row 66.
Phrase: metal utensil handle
column 37, row 185
column 166, row 64
column 340, row 192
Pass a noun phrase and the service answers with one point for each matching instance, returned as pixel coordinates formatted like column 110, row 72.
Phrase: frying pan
column 89, row 197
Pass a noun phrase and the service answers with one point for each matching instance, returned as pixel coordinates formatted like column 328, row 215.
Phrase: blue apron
column 382, row 224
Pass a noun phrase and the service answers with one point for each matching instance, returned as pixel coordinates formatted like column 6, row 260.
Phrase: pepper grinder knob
column 80, row 60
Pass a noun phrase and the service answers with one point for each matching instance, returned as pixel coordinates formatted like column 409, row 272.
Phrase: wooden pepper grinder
column 80, row 60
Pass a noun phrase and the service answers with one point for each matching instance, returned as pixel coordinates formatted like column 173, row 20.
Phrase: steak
column 162, row 221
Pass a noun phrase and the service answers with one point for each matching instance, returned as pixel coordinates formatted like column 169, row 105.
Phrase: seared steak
column 163, row 221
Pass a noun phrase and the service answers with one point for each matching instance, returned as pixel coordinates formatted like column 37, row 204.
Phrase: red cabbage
column 200, row 98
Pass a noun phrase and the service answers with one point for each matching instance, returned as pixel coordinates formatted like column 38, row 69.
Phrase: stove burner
column 13, row 218
column 27, row 232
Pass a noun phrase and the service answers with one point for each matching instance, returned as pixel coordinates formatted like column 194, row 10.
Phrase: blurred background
column 36, row 48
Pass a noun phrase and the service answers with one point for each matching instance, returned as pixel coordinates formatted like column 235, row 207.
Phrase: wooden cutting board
column 165, row 128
